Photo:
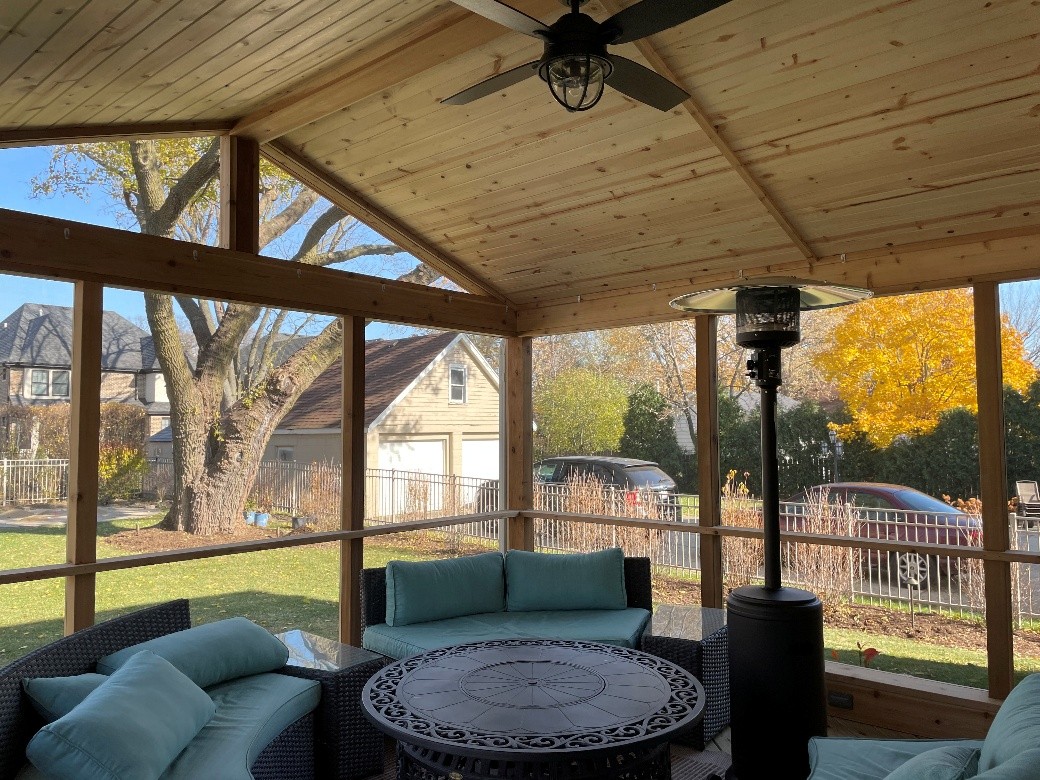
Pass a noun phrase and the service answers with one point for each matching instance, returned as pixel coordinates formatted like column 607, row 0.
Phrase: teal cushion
column 836, row 758
column 211, row 653
column 1016, row 727
column 1024, row 766
column 610, row 626
column 953, row 762
column 54, row 697
column 418, row 591
column 130, row 728
column 543, row 581
column 251, row 712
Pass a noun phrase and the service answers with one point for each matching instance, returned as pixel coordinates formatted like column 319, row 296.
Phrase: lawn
column 298, row 588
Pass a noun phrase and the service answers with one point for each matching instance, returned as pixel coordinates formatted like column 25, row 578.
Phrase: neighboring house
column 749, row 401
column 431, row 406
column 36, row 364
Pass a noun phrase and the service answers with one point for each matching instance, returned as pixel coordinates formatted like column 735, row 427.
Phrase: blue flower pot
column 261, row 519
column 250, row 517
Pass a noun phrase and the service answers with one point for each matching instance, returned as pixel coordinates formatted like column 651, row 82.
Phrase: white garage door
column 479, row 463
column 424, row 456
column 480, row 458
column 407, row 492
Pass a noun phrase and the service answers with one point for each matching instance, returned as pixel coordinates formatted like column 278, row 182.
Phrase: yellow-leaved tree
column 899, row 362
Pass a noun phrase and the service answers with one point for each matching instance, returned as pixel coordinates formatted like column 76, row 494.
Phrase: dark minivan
column 641, row 480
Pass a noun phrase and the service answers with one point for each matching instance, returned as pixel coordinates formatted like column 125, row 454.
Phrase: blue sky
column 17, row 169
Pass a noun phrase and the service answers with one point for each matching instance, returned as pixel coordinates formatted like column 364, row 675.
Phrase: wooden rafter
column 54, row 248
column 355, row 204
column 997, row 256
column 693, row 108
column 52, row 136
column 407, row 53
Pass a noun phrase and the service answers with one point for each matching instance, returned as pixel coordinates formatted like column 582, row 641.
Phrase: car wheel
column 912, row 569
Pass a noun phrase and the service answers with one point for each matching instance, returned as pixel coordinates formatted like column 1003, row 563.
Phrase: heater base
column 776, row 681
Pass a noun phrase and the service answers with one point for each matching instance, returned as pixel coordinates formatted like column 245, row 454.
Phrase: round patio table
column 533, row 708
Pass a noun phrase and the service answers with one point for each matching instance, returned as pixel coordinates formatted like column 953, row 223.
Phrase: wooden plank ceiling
column 816, row 129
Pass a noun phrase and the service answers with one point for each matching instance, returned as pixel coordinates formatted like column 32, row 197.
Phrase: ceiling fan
column 575, row 62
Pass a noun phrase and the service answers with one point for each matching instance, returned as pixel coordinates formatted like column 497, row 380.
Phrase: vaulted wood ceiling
column 857, row 141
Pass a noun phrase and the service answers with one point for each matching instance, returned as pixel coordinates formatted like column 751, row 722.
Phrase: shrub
column 120, row 471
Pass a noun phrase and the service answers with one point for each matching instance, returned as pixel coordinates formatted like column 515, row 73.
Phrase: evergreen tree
column 649, row 434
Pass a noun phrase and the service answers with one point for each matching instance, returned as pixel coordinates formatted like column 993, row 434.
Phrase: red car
column 876, row 510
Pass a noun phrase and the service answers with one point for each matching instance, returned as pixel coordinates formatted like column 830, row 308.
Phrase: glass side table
column 351, row 746
column 695, row 638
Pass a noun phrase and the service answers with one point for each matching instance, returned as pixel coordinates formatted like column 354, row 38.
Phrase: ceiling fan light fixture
column 576, row 80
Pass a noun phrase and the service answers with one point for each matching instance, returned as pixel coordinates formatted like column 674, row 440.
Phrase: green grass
column 298, row 587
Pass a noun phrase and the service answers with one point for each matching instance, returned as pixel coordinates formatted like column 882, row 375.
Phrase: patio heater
column 775, row 633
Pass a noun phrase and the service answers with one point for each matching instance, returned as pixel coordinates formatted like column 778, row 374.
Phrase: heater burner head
column 768, row 317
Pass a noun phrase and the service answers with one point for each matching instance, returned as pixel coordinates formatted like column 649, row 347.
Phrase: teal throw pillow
column 419, row 591
column 211, row 653
column 53, row 697
column 1016, row 727
column 545, row 581
column 951, row 762
column 130, row 728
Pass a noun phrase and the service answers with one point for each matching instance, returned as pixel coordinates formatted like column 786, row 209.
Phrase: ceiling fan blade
column 507, row 16
column 652, row 16
column 493, row 84
column 644, row 85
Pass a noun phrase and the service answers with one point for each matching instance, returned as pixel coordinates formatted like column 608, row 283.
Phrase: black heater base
column 776, row 681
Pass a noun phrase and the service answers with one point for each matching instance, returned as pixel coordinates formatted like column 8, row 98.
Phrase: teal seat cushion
column 419, row 591
column 1016, row 727
column 1024, row 766
column 616, row 627
column 832, row 758
column 545, row 581
column 129, row 728
column 211, row 653
column 250, row 713
column 952, row 762
column 54, row 697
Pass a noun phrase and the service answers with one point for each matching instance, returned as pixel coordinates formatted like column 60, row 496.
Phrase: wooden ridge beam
column 419, row 47
column 53, row 136
column 358, row 206
column 997, row 256
column 54, row 248
column 693, row 108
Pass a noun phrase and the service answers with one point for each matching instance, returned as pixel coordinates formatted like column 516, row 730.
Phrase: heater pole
column 765, row 370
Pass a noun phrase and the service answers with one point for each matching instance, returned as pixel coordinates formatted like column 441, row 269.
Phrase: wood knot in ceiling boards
column 5, row 254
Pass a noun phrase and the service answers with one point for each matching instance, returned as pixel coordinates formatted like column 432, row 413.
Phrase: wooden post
column 239, row 194
column 993, row 469
column 84, row 433
column 518, row 447
column 708, row 478
column 352, row 494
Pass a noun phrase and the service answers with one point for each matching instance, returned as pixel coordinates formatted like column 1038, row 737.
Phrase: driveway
column 50, row 516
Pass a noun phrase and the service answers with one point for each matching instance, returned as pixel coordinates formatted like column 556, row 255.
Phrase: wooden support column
column 352, row 501
column 993, row 467
column 239, row 194
column 518, row 462
column 708, row 479
column 85, row 433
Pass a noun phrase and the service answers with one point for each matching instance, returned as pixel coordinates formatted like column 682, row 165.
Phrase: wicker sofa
column 333, row 740
column 627, row 623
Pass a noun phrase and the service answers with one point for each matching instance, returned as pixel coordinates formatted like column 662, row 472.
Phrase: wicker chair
column 333, row 741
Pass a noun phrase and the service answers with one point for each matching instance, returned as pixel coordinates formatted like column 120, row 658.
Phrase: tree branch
column 194, row 179
column 271, row 228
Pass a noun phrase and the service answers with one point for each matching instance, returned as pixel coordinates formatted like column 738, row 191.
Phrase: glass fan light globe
column 577, row 80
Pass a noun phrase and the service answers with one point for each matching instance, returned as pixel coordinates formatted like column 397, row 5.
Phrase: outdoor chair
column 1028, row 498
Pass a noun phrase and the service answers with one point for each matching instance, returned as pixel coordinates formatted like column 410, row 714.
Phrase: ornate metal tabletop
column 533, row 699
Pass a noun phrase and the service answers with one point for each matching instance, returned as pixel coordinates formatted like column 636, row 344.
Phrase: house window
column 286, row 455
column 49, row 383
column 457, row 382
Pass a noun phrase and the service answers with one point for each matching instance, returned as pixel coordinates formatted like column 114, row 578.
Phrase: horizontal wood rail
column 54, row 570
column 51, row 571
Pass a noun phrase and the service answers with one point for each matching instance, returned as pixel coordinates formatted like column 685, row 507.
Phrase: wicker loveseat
column 331, row 740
